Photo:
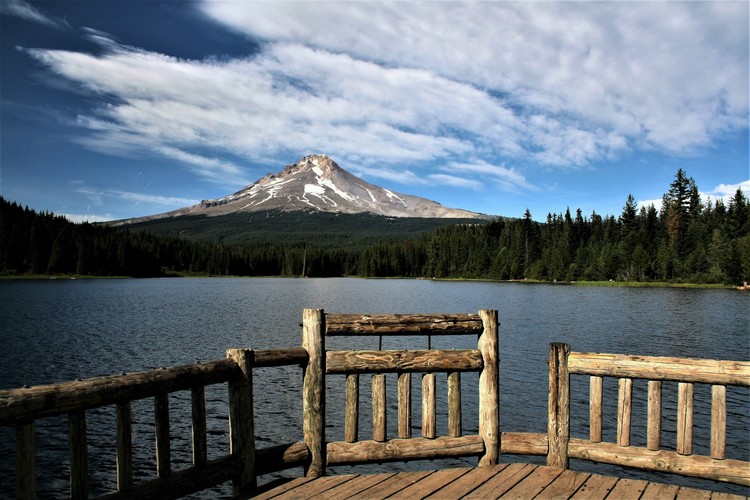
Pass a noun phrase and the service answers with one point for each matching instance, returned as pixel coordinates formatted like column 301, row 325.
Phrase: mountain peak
column 318, row 163
column 318, row 183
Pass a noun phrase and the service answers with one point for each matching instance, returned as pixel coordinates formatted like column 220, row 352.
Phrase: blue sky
column 116, row 109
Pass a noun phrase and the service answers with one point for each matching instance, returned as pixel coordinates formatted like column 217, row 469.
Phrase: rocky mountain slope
column 317, row 183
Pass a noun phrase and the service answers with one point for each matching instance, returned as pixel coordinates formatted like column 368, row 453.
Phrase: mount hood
column 317, row 183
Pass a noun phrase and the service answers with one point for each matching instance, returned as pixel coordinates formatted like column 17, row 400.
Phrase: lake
column 59, row 330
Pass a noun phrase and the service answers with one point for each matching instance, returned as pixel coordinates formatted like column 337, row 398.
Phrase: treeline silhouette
column 685, row 241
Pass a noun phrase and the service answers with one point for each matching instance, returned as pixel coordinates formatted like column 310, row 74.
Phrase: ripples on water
column 63, row 330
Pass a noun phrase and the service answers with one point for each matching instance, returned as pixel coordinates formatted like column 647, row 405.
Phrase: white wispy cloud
column 98, row 197
column 151, row 199
column 456, row 181
column 669, row 75
column 508, row 179
column 436, row 92
column 723, row 192
column 25, row 10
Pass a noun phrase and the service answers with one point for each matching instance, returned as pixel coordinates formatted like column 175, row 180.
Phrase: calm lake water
column 58, row 330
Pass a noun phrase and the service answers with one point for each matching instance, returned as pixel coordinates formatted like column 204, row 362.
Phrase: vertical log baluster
column 428, row 405
column 718, row 421
column 79, row 455
column 25, row 458
column 653, row 439
column 404, row 405
column 489, row 397
column 454, row 404
column 313, row 390
column 558, row 419
column 351, row 413
column 124, row 447
column 163, row 442
column 242, row 421
column 595, row 409
column 685, row 418
column 379, row 422
column 624, row 410
column 200, row 446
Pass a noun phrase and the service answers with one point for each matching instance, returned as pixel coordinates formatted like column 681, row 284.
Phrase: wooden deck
column 516, row 480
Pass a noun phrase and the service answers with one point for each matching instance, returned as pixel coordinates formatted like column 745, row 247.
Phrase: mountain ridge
column 316, row 183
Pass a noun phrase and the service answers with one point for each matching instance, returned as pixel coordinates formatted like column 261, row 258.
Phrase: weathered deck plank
column 320, row 487
column 661, row 491
column 356, row 486
column 468, row 482
column 534, row 483
column 596, row 487
column 516, row 480
column 628, row 488
column 393, row 485
column 497, row 485
column 429, row 485
column 282, row 489
column 565, row 485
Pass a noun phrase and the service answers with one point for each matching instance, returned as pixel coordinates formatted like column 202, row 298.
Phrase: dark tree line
column 685, row 241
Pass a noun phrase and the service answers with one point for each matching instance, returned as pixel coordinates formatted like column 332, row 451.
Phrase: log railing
column 686, row 372
column 244, row 463
column 22, row 407
column 382, row 448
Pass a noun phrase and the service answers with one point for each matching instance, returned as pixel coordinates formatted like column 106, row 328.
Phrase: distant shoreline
column 620, row 284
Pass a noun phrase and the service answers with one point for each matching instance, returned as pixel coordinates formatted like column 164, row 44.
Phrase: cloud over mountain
column 410, row 88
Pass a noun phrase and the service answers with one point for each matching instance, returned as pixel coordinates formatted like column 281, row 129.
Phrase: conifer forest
column 686, row 241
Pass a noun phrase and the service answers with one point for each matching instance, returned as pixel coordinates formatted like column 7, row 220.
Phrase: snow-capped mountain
column 317, row 183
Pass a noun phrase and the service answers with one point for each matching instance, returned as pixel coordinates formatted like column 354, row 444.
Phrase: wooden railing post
column 313, row 390
column 79, row 456
column 25, row 458
column 161, row 427
column 558, row 419
column 624, row 410
column 379, row 409
column 242, row 421
column 489, row 392
column 653, row 428
column 429, row 406
column 199, row 428
column 124, row 447
column 454, row 404
column 718, row 422
column 351, row 414
column 685, row 418
column 404, row 405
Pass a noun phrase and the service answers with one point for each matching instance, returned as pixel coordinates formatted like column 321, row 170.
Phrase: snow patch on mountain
column 316, row 182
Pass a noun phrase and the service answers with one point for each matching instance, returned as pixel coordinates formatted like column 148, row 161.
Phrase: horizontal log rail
column 403, row 324
column 685, row 372
column 397, row 450
column 31, row 403
column 26, row 404
column 21, row 407
column 403, row 361
column 708, row 371
column 730, row 471
column 281, row 457
column 524, row 443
